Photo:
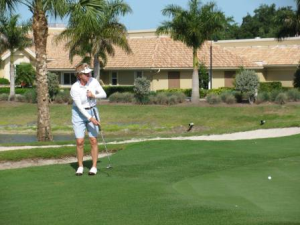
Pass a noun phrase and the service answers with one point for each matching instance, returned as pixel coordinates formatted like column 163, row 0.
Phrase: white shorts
column 81, row 123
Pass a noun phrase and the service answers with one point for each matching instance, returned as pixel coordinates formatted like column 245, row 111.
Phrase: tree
column 94, row 33
column 264, row 23
column 192, row 27
column 289, row 23
column 25, row 74
column 14, row 38
column 39, row 9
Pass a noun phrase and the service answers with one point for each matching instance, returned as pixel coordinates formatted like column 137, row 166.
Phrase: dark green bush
column 4, row 81
column 270, row 86
column 297, row 78
column 219, row 91
column 125, row 97
column 121, row 89
column 25, row 75
column 20, row 91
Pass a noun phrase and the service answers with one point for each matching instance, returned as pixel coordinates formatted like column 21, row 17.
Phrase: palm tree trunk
column 96, row 68
column 12, row 77
column 40, row 33
column 195, row 78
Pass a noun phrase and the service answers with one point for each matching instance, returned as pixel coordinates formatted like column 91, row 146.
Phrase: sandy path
column 256, row 134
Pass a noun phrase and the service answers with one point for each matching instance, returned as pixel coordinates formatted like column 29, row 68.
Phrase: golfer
column 84, row 92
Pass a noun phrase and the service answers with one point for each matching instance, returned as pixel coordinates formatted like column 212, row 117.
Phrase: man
column 85, row 92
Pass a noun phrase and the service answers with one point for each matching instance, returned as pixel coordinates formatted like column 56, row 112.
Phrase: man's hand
column 94, row 121
column 89, row 94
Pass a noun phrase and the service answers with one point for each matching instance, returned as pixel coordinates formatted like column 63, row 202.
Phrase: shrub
column 297, row 78
column 4, row 81
column 281, row 98
column 262, row 97
column 25, row 74
column 220, row 90
column 53, row 85
column 20, row 98
column 247, row 82
column 125, row 97
column 3, row 97
column 274, row 94
column 228, row 97
column 31, row 96
column 162, row 98
column 121, row 89
column 270, row 86
column 172, row 100
column 213, row 99
column 293, row 95
column 63, row 96
column 141, row 90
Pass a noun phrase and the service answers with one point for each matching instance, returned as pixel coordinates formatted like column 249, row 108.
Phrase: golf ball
column 269, row 177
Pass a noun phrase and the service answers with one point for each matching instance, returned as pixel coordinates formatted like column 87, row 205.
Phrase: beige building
column 168, row 64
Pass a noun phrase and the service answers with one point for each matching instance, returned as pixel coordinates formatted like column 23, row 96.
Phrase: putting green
column 249, row 187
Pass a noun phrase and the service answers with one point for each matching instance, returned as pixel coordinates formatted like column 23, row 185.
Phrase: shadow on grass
column 88, row 164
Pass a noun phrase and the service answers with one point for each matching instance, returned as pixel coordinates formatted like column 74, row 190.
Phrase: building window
column 138, row 74
column 114, row 78
column 69, row 78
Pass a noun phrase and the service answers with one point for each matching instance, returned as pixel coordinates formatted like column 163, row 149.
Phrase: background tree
column 297, row 78
column 192, row 27
column 264, row 23
column 93, row 33
column 289, row 23
column 14, row 38
column 25, row 74
column 40, row 9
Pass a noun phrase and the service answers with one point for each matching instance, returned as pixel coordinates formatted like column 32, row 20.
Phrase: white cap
column 86, row 69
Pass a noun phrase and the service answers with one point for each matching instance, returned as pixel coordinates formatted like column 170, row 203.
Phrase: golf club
column 100, row 130
column 190, row 127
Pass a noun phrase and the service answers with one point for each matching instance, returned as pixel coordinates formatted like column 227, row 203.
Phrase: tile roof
column 163, row 52
column 269, row 55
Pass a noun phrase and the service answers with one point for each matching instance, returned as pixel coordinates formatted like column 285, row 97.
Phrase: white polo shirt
column 79, row 95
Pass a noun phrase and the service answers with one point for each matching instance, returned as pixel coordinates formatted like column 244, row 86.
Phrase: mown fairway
column 131, row 121
column 164, row 182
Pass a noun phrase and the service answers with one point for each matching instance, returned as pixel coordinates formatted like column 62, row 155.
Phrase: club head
column 262, row 122
column 190, row 127
column 109, row 166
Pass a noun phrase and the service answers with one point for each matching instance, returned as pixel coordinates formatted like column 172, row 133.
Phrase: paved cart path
column 255, row 134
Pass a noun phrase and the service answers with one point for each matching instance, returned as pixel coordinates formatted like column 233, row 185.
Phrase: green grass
column 51, row 153
column 128, row 121
column 164, row 182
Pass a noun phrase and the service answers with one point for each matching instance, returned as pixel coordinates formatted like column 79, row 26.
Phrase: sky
column 147, row 13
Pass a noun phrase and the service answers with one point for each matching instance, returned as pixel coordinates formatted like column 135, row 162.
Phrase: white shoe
column 93, row 171
column 79, row 171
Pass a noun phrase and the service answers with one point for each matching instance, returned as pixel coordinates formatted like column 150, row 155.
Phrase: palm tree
column 93, row 34
column 13, row 38
column 192, row 27
column 290, row 24
column 39, row 9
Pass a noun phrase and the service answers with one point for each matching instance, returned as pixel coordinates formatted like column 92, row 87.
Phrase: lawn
column 164, row 182
column 132, row 121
